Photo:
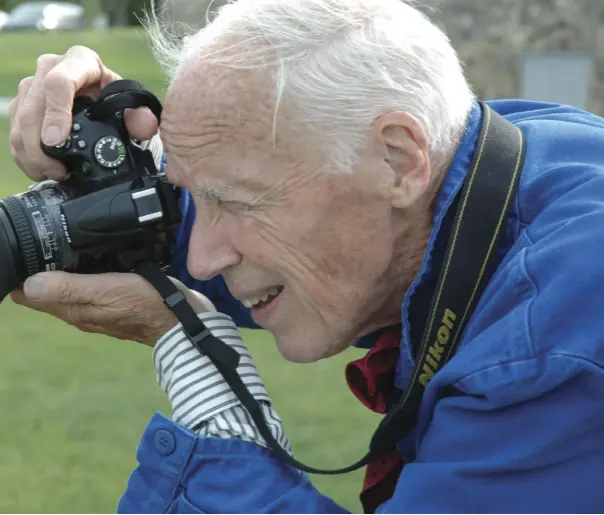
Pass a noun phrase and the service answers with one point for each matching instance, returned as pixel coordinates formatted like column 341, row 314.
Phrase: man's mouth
column 263, row 300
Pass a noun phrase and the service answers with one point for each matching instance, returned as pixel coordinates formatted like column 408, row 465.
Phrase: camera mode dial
column 110, row 152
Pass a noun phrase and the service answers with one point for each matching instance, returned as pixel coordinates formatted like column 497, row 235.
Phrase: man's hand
column 42, row 108
column 123, row 306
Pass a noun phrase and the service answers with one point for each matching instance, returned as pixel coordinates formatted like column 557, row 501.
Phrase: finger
column 30, row 113
column 15, row 141
column 141, row 123
column 62, row 288
column 77, row 315
column 22, row 91
column 12, row 108
column 95, row 289
column 80, row 68
column 18, row 297
column 18, row 163
column 16, row 145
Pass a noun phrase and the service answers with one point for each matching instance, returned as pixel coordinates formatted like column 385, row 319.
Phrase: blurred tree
column 93, row 8
column 124, row 12
column 7, row 5
column 135, row 10
column 116, row 11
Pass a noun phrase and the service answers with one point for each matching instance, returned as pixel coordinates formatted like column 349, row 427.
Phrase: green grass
column 124, row 51
column 73, row 405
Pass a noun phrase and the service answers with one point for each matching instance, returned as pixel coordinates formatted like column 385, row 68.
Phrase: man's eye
column 235, row 205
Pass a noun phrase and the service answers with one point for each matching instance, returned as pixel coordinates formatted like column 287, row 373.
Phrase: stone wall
column 491, row 36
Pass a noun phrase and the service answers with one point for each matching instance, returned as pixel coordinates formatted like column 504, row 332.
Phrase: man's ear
column 403, row 143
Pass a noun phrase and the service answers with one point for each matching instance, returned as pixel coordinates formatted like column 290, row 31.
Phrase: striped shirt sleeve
column 201, row 399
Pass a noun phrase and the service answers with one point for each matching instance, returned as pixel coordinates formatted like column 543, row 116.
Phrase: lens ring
column 24, row 234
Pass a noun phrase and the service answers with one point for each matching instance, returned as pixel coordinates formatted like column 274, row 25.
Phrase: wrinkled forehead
column 222, row 120
column 204, row 95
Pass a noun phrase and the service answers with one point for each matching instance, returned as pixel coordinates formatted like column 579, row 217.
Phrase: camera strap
column 124, row 94
column 481, row 215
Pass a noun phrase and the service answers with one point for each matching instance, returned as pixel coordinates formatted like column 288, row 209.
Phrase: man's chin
column 298, row 351
column 296, row 355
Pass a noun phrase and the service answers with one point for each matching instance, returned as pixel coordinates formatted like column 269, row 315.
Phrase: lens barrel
column 32, row 238
column 10, row 256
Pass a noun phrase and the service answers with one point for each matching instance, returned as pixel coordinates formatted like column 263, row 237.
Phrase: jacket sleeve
column 492, row 449
column 180, row 472
column 211, row 457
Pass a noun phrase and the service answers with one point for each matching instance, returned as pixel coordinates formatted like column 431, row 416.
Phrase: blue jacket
column 525, row 433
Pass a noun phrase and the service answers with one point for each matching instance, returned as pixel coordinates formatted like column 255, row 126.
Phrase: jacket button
column 165, row 442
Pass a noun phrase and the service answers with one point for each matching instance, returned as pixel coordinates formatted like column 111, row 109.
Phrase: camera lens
column 32, row 238
column 10, row 277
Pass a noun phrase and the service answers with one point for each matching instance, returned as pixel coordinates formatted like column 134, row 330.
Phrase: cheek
column 250, row 239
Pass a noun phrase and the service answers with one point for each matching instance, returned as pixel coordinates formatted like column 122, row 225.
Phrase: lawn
column 124, row 51
column 73, row 405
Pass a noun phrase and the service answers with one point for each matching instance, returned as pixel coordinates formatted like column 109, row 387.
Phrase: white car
column 3, row 18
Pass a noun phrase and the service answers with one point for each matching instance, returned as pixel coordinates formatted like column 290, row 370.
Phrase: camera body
column 113, row 210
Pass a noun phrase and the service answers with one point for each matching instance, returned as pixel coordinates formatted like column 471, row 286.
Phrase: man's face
column 312, row 251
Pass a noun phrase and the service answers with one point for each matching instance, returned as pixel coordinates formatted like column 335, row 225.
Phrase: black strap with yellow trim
column 481, row 215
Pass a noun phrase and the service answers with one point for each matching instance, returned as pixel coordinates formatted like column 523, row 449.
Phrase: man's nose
column 210, row 252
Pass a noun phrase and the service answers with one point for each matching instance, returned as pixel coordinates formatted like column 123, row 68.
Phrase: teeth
column 252, row 301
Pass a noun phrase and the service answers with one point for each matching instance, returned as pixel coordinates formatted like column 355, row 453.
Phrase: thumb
column 141, row 123
column 59, row 287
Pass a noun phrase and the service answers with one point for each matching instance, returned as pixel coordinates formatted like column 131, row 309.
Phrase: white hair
column 338, row 65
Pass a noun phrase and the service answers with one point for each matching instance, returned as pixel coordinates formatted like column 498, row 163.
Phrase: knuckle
column 12, row 108
column 46, row 61
column 14, row 139
column 55, row 80
column 81, row 52
column 64, row 295
column 24, row 85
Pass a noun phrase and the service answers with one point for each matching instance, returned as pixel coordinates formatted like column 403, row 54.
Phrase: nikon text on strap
column 481, row 215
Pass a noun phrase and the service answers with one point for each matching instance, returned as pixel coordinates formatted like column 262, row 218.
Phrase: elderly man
column 322, row 145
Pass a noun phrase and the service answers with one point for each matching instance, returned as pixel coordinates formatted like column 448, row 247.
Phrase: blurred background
column 73, row 405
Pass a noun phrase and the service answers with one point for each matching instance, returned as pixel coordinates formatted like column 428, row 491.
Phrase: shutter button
column 164, row 442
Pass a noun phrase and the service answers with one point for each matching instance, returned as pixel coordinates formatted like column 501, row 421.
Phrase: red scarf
column 371, row 378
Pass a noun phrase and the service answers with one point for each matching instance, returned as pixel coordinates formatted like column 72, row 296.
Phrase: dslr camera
column 114, row 209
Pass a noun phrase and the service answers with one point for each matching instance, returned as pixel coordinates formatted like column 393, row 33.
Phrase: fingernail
column 52, row 135
column 35, row 287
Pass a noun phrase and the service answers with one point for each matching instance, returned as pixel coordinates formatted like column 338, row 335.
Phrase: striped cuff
column 237, row 423
column 201, row 399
